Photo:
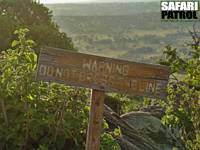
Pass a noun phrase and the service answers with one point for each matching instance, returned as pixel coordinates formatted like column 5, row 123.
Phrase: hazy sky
column 85, row 1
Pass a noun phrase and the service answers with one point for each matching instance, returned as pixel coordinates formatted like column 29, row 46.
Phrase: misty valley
column 130, row 31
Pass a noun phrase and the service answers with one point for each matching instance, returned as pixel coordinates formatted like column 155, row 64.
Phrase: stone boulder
column 142, row 131
column 152, row 128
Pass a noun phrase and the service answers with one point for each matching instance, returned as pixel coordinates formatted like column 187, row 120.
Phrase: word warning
column 101, row 73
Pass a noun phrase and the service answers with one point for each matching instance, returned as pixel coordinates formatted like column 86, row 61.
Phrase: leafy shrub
column 35, row 114
column 126, row 103
column 107, row 139
column 183, row 105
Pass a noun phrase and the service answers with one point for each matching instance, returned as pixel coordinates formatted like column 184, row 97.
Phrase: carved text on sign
column 103, row 79
column 101, row 73
column 105, row 67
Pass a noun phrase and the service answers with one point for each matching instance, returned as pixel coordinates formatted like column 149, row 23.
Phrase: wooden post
column 95, row 120
column 132, row 78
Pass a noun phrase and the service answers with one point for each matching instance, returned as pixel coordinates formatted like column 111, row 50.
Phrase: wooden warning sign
column 101, row 73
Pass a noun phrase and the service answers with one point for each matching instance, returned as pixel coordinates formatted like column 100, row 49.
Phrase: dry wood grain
column 101, row 73
column 95, row 120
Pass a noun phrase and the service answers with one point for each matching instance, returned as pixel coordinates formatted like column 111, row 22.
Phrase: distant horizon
column 91, row 1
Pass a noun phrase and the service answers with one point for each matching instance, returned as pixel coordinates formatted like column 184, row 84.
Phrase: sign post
column 101, row 74
column 95, row 120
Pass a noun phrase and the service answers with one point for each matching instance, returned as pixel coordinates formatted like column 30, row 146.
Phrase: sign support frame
column 101, row 74
column 95, row 120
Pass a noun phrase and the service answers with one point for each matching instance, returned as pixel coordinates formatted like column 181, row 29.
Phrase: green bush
column 183, row 105
column 35, row 114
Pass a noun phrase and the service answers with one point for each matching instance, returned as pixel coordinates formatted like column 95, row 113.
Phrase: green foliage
column 121, row 103
column 108, row 142
column 35, row 114
column 32, row 15
column 183, row 105
column 107, row 139
column 176, row 63
column 128, row 103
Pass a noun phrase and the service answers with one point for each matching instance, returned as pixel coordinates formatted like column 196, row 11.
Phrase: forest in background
column 131, row 31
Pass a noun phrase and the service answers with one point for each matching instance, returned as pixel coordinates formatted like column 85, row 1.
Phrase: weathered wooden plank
column 95, row 120
column 101, row 73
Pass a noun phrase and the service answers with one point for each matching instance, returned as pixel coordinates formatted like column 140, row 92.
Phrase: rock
column 154, row 110
column 151, row 127
column 133, row 136
column 126, row 145
column 142, row 131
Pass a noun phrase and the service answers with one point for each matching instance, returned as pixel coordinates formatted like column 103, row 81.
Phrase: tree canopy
column 15, row 14
column 183, row 101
